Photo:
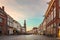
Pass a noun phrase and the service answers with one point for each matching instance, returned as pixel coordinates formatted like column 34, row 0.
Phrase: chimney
column 3, row 8
column 0, row 7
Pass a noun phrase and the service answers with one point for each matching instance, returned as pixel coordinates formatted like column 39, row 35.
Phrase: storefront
column 59, row 33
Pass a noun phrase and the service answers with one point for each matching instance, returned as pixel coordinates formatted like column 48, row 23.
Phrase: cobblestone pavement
column 27, row 37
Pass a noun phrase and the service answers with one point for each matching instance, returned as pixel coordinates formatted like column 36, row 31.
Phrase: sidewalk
column 58, row 38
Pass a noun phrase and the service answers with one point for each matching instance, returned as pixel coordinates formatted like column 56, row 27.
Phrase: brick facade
column 3, row 21
column 52, row 18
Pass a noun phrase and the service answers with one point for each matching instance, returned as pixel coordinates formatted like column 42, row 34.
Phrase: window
column 59, row 2
column 52, row 15
column 59, row 13
column 51, row 25
column 51, row 28
column 54, row 25
column 59, row 24
column 0, row 19
column 11, row 24
column 48, row 29
column 8, row 18
column 54, row 12
column 0, row 28
column 8, row 22
column 48, row 19
column 0, row 12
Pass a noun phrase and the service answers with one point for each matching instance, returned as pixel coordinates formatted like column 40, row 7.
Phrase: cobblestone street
column 26, row 37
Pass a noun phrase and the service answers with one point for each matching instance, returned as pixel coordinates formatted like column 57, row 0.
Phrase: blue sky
column 31, row 10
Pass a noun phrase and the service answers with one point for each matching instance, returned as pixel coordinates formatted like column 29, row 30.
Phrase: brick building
column 7, row 23
column 52, row 17
column 44, row 26
column 41, row 29
column 35, row 31
column 3, row 21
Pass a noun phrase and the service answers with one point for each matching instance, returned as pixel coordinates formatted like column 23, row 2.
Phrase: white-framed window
column 11, row 24
column 54, row 12
column 8, row 23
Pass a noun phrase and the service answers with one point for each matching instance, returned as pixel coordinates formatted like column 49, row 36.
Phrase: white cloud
column 11, row 10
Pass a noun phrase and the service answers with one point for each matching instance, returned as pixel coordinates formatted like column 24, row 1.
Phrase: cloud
column 12, row 10
column 25, row 9
column 16, row 15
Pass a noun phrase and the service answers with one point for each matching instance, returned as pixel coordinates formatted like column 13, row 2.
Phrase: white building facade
column 10, row 24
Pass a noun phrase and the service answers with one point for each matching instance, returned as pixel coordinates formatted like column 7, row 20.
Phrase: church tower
column 25, row 25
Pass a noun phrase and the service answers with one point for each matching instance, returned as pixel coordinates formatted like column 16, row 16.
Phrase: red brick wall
column 4, row 22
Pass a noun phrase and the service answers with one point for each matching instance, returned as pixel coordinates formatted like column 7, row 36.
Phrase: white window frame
column 54, row 12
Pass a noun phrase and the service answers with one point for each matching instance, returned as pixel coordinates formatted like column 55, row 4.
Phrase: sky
column 30, row 10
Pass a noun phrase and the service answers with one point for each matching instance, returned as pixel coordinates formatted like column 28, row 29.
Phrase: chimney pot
column 0, row 7
column 3, row 8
